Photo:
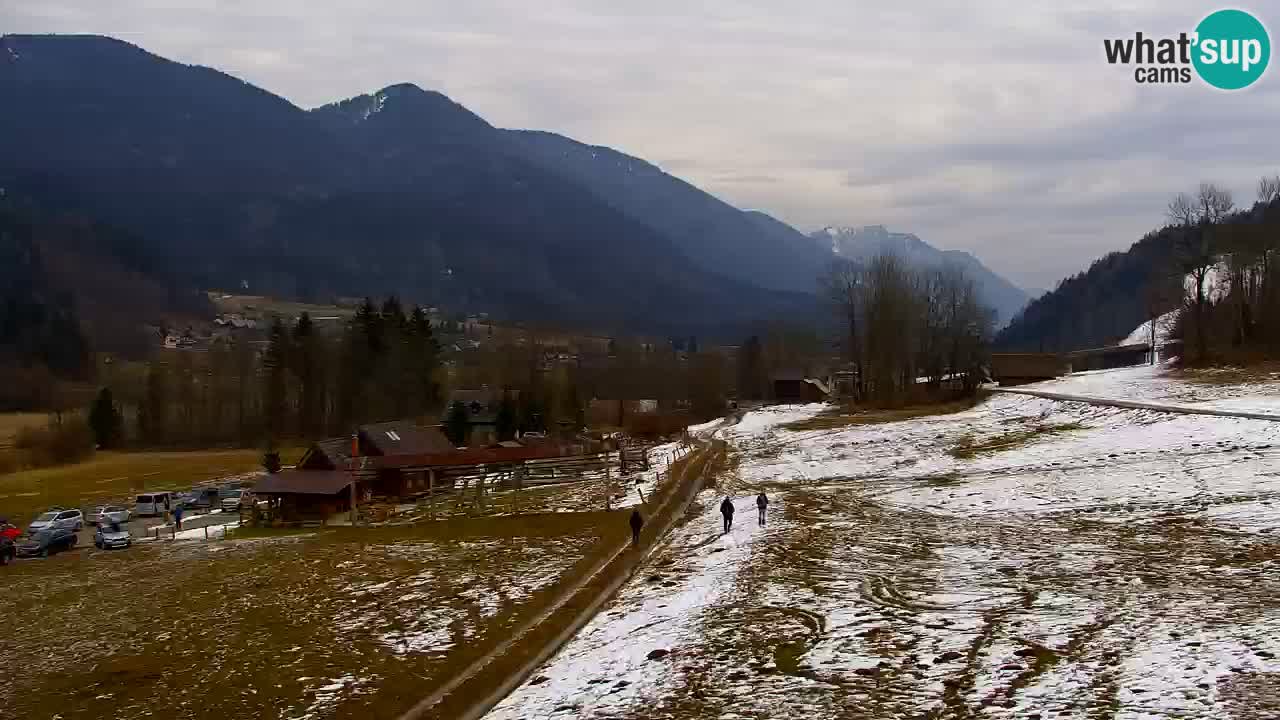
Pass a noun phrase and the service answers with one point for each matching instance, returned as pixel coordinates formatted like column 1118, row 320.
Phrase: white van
column 157, row 503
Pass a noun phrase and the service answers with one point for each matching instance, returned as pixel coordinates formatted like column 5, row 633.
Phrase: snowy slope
column 1122, row 560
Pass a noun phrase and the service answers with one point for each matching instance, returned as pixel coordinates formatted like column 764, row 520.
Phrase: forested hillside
column 750, row 247
column 1102, row 304
column 1159, row 273
column 400, row 191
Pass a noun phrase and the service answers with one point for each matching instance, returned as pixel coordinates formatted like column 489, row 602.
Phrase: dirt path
column 482, row 685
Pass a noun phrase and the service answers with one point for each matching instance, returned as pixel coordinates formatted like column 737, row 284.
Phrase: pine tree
column 275, row 390
column 532, row 415
column 185, row 400
column 153, row 416
column 105, row 420
column 424, row 354
column 306, row 367
column 575, row 413
column 506, row 420
column 457, row 425
column 271, row 461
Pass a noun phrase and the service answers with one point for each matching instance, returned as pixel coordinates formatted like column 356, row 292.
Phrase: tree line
column 908, row 333
column 300, row 383
column 1207, row 250
column 1227, row 261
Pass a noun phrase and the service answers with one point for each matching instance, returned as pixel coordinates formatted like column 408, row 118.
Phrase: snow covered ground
column 1162, row 384
column 1087, row 562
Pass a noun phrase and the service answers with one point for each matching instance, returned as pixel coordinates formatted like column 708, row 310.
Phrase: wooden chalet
column 320, row 484
column 396, row 460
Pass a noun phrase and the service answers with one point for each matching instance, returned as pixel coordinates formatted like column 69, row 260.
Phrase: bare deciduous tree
column 905, row 326
column 1182, row 210
column 1269, row 189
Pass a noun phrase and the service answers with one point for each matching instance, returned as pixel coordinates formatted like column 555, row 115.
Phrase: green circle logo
column 1232, row 49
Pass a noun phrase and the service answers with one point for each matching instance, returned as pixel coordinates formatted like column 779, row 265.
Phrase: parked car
column 8, row 551
column 201, row 499
column 232, row 499
column 157, row 503
column 110, row 536
column 47, row 542
column 109, row 513
column 57, row 518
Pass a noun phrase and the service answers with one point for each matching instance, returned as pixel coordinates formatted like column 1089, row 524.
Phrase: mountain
column 1102, row 304
column 87, row 270
column 747, row 246
column 403, row 190
column 863, row 243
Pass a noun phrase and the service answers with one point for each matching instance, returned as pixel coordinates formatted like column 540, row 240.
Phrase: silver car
column 68, row 519
column 111, row 535
column 108, row 514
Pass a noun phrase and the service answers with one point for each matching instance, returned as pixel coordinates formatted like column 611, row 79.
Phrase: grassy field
column 11, row 423
column 262, row 306
column 337, row 623
column 112, row 476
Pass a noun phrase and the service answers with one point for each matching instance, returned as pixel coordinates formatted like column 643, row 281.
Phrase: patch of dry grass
column 1250, row 374
column 840, row 417
column 117, row 476
column 11, row 423
column 968, row 447
column 263, row 306
column 336, row 623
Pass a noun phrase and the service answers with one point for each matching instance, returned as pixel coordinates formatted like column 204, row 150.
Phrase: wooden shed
column 1020, row 368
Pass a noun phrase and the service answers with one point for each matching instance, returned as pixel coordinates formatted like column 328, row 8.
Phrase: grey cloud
column 747, row 178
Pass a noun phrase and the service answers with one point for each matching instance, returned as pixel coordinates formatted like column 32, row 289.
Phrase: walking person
column 637, row 522
column 726, row 509
column 762, row 505
column 177, row 518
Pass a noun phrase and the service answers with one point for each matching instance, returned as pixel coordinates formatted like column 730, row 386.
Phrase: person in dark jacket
column 762, row 505
column 637, row 522
column 726, row 509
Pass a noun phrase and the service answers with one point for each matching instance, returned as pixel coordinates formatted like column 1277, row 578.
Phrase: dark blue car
column 47, row 542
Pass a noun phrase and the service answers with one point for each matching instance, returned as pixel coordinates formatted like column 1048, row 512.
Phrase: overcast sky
column 991, row 126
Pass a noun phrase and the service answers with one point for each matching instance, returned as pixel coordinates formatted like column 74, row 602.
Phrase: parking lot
column 197, row 523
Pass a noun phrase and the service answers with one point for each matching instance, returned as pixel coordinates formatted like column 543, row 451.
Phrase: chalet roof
column 400, row 437
column 403, row 438
column 335, row 452
column 303, row 482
